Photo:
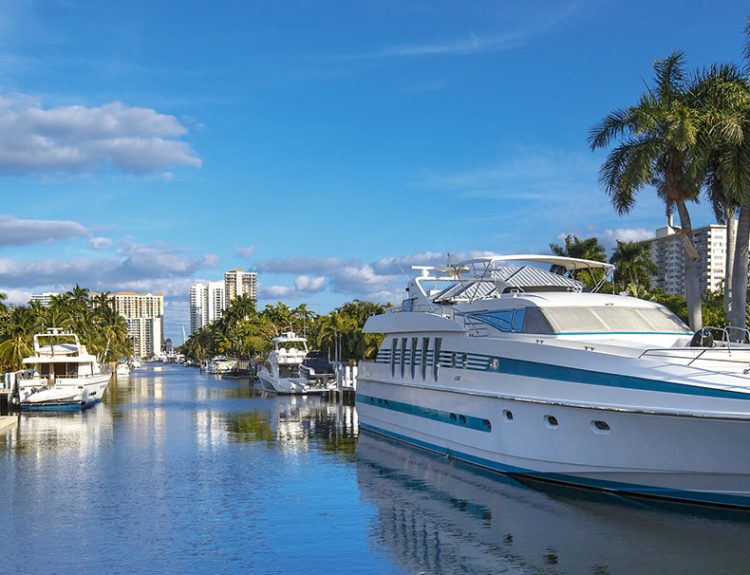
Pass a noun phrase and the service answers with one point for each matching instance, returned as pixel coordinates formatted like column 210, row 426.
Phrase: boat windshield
column 602, row 319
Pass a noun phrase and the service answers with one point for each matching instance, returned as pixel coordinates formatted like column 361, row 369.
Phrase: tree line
column 99, row 327
column 244, row 332
column 689, row 136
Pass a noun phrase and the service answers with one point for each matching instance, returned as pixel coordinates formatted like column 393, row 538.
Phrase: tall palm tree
column 723, row 96
column 657, row 138
column 633, row 264
column 738, row 158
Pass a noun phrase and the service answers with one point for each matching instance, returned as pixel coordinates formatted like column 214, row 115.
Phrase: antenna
column 184, row 339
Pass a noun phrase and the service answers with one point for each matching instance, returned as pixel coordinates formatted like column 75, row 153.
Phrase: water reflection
column 439, row 517
column 42, row 434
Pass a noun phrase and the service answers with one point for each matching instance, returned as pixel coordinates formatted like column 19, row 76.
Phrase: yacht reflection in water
column 436, row 516
column 52, row 433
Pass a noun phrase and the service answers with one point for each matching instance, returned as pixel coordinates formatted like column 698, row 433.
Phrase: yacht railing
column 722, row 354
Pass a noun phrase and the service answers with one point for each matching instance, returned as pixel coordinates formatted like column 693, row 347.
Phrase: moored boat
column 281, row 371
column 65, row 375
column 508, row 366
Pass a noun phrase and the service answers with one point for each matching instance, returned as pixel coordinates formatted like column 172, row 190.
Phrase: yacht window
column 534, row 321
column 425, row 347
column 394, row 346
column 518, row 320
column 413, row 356
column 403, row 355
column 407, row 304
column 612, row 319
column 436, row 356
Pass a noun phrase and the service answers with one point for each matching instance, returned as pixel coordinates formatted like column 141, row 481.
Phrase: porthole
column 550, row 421
column 508, row 415
column 599, row 426
column 453, row 417
column 462, row 419
column 487, row 425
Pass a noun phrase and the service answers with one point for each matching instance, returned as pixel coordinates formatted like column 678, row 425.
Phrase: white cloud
column 309, row 284
column 245, row 251
column 26, row 232
column 99, row 243
column 132, row 265
column 79, row 139
column 276, row 291
column 301, row 265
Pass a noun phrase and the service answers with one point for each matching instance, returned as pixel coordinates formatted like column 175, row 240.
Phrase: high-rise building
column 198, row 305
column 43, row 298
column 238, row 282
column 206, row 304
column 144, row 314
column 668, row 253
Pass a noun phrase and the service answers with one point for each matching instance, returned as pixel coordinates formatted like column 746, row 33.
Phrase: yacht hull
column 690, row 457
column 64, row 395
column 287, row 386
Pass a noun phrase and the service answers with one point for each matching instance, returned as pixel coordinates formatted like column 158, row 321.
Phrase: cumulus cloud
column 79, row 139
column 610, row 236
column 308, row 284
column 134, row 266
column 99, row 243
column 300, row 265
column 17, row 232
column 245, row 251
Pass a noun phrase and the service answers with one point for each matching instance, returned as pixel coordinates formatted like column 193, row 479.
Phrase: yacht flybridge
column 502, row 363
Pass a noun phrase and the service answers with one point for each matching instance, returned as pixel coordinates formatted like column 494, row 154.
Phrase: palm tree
column 658, row 138
column 737, row 159
column 16, row 339
column 587, row 249
column 633, row 264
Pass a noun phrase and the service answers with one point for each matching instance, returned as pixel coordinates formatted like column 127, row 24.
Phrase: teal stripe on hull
column 538, row 370
column 612, row 486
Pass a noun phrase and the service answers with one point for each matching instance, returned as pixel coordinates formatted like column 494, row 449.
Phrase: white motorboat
column 221, row 364
column 123, row 368
column 65, row 376
column 510, row 367
column 281, row 371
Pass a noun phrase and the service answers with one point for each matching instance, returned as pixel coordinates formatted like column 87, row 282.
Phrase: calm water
column 178, row 472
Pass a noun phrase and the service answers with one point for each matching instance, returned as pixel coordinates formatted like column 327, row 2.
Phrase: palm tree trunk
column 692, row 279
column 729, row 262
column 739, row 278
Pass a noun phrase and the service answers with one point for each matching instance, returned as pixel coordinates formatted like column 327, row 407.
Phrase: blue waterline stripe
column 457, row 419
column 625, row 488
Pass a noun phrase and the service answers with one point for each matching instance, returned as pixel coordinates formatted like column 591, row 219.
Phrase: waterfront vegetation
column 244, row 332
column 100, row 328
column 688, row 134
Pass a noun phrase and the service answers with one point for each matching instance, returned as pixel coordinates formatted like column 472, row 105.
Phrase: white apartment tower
column 207, row 303
column 144, row 314
column 238, row 282
column 668, row 253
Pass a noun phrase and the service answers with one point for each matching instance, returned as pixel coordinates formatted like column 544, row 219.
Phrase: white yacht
column 64, row 377
column 281, row 371
column 221, row 364
column 505, row 365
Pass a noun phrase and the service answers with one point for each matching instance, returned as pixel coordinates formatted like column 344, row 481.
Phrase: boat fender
column 702, row 338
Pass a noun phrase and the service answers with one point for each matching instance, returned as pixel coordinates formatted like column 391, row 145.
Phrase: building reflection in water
column 436, row 516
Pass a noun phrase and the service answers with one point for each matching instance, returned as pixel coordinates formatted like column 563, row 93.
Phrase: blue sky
column 326, row 145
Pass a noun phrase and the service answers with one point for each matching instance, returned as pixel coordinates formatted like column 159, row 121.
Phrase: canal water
column 181, row 472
